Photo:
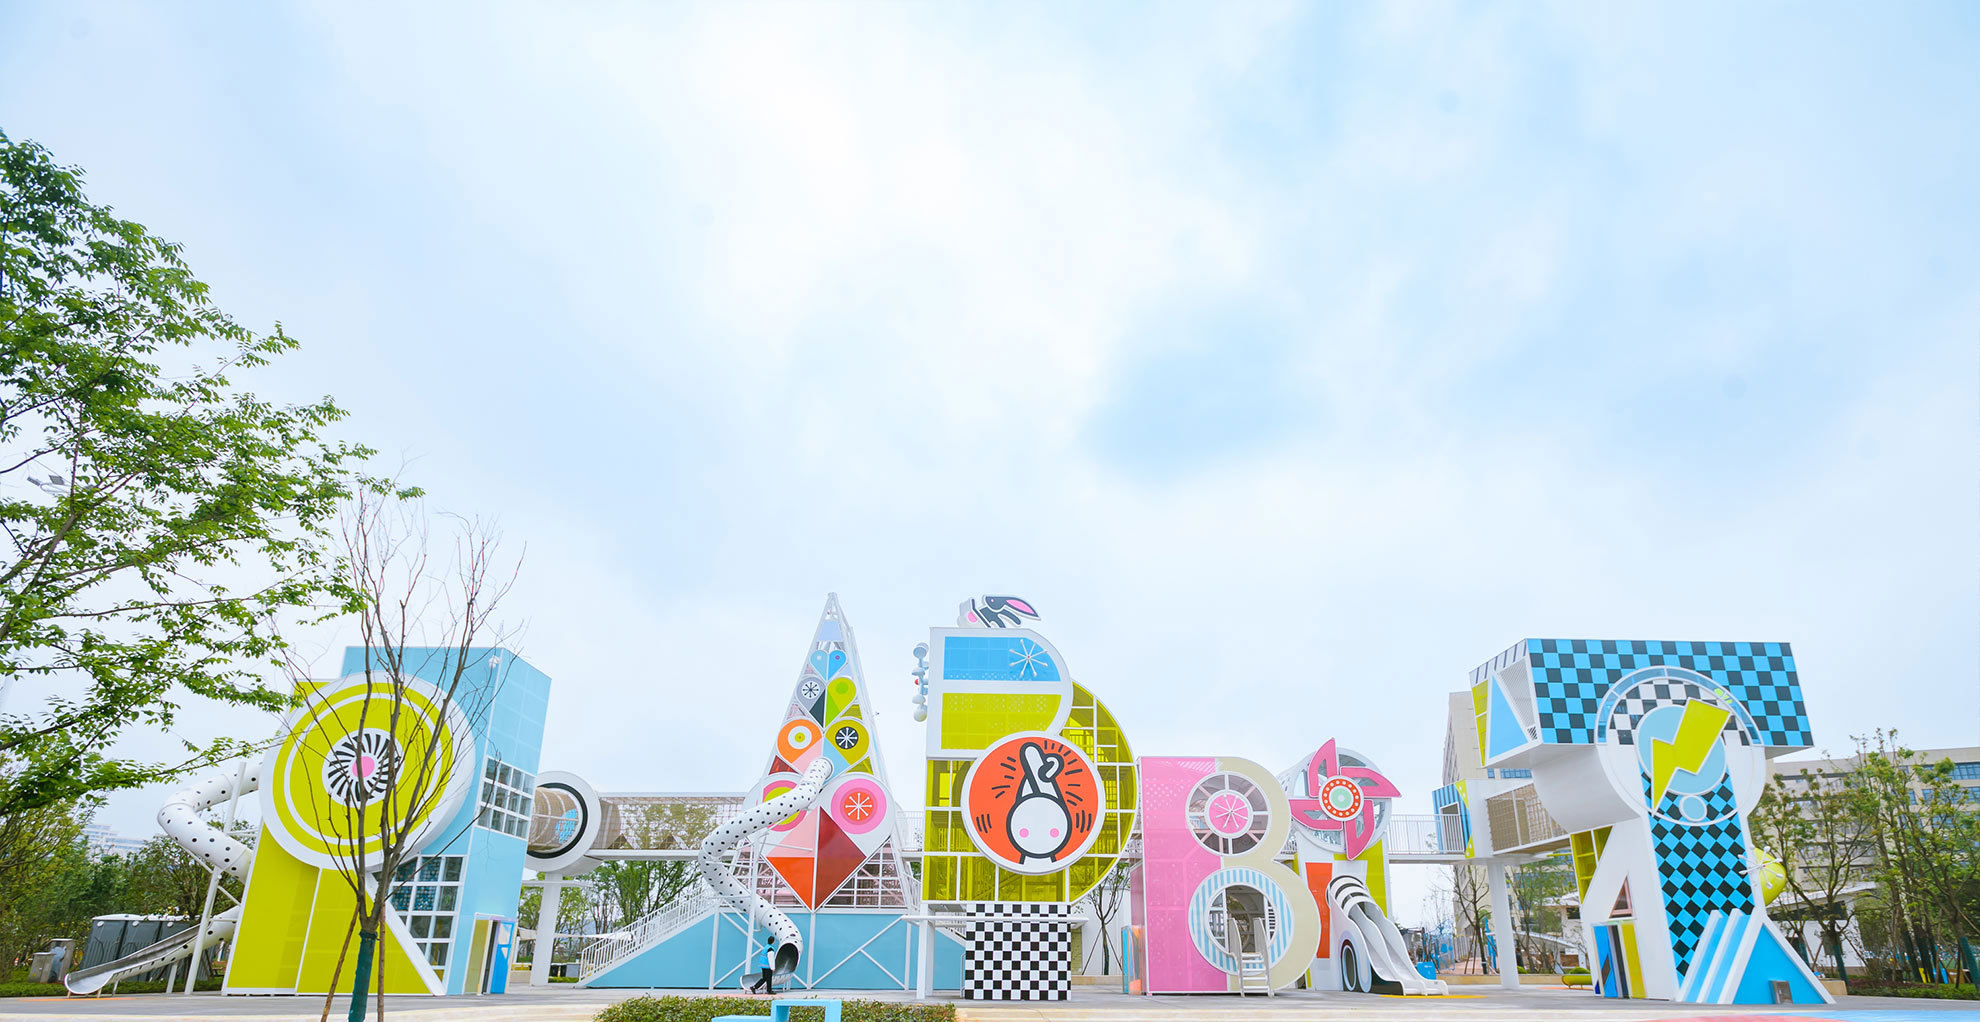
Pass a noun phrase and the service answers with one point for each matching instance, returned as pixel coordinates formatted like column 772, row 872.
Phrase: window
column 1966, row 771
column 505, row 797
column 1515, row 772
column 429, row 889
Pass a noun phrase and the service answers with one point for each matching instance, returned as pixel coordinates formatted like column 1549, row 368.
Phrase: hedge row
column 58, row 990
column 701, row 1009
column 1932, row 991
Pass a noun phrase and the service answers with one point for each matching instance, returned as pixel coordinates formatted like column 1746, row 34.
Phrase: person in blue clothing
column 769, row 966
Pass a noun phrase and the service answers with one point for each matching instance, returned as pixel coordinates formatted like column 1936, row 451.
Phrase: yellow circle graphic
column 363, row 759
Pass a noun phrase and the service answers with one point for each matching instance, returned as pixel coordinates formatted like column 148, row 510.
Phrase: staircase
column 603, row 952
column 1254, row 976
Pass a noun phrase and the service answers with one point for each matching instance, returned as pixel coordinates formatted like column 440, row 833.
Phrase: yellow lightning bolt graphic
column 1696, row 733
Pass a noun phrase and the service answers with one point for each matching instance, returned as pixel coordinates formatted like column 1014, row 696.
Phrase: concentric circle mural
column 347, row 766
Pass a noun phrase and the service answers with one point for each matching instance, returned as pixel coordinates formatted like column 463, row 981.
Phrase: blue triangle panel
column 1771, row 960
column 1504, row 734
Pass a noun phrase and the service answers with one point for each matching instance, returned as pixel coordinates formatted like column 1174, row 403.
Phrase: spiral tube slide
column 715, row 870
column 1380, row 940
column 180, row 818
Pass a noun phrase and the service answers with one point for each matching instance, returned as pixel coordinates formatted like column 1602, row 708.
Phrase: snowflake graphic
column 858, row 806
column 810, row 689
column 1030, row 657
column 846, row 737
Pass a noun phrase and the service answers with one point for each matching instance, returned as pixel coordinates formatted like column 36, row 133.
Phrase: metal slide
column 175, row 948
column 717, row 872
column 1379, row 939
column 180, row 818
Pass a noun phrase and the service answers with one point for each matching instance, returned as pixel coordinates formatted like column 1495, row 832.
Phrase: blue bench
column 780, row 1010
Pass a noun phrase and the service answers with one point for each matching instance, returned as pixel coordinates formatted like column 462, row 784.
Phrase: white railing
column 604, row 951
column 1419, row 835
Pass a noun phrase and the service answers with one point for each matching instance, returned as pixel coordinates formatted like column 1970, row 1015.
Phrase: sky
column 1292, row 359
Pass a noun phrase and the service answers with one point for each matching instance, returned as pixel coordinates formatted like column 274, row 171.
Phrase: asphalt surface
column 563, row 1003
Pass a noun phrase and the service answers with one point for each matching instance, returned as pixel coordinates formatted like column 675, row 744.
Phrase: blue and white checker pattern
column 1570, row 677
column 1702, row 868
column 1017, row 951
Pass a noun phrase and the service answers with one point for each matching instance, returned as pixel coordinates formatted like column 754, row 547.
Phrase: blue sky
column 1293, row 359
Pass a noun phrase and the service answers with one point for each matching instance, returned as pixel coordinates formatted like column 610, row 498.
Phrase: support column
column 546, row 929
column 1502, row 927
column 924, row 975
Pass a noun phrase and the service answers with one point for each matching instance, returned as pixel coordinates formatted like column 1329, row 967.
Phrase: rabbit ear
column 1034, row 761
column 1051, row 767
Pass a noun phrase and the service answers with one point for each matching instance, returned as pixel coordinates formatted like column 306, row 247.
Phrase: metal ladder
column 1254, row 976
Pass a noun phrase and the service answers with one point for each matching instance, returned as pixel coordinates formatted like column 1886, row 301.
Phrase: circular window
column 1228, row 813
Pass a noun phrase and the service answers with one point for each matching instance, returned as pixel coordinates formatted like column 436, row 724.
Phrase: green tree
column 51, row 884
column 156, row 517
column 1927, row 842
column 1812, row 822
column 1537, row 888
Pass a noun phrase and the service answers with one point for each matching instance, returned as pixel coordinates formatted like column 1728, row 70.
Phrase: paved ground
column 567, row 1004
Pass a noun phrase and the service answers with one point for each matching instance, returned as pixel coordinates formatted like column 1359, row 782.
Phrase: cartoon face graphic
column 1032, row 803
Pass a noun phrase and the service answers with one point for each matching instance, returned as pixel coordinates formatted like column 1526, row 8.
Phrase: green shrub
column 701, row 1009
column 1575, row 970
column 32, row 990
column 1931, row 991
column 57, row 989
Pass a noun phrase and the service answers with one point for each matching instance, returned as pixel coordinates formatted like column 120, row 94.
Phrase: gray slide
column 1379, row 939
column 176, row 948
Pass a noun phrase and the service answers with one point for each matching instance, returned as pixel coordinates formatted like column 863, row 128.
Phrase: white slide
column 715, row 870
column 180, row 818
column 1380, row 940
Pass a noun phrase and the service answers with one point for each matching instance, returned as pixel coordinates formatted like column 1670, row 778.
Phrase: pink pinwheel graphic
column 1342, row 798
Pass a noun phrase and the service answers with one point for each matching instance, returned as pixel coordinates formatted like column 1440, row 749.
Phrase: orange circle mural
column 797, row 742
column 1033, row 802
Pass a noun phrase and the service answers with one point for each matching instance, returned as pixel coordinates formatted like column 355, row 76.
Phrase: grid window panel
column 506, row 793
column 431, row 887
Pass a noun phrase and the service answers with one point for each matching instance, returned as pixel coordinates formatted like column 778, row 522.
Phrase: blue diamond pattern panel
column 1570, row 676
column 1701, row 867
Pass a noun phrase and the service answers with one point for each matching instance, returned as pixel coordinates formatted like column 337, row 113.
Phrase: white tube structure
column 722, row 879
column 180, row 818
column 213, row 874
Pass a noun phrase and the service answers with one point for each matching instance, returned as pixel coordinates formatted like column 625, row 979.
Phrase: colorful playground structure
column 1639, row 760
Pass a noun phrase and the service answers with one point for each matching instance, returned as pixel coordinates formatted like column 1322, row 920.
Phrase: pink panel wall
column 1173, row 863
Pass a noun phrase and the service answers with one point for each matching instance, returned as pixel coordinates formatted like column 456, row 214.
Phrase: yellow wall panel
column 268, row 947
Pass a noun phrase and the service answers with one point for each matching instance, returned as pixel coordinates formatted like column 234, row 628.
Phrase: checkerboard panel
column 1570, row 676
column 1018, row 951
column 1702, row 867
column 1646, row 696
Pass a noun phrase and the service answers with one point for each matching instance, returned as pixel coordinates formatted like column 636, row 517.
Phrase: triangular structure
column 855, row 823
column 1506, row 734
column 1769, row 961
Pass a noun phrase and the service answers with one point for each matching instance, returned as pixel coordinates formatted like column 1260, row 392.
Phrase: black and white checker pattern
column 1018, row 951
column 1647, row 696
